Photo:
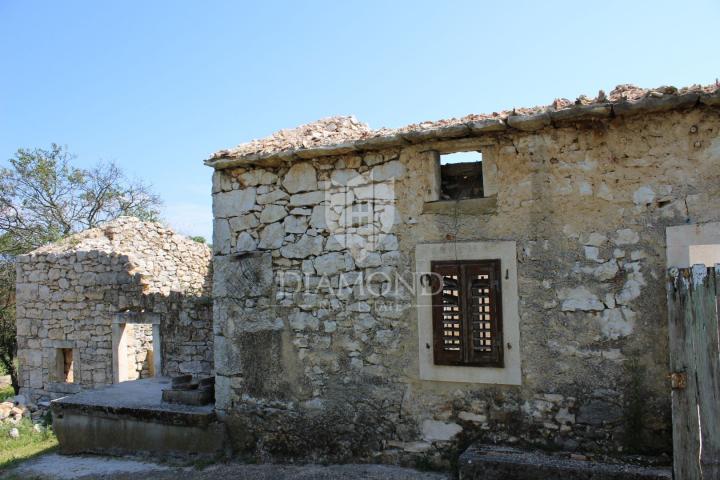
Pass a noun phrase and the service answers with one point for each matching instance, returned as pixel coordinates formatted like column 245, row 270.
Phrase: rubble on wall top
column 345, row 134
column 327, row 131
column 115, row 236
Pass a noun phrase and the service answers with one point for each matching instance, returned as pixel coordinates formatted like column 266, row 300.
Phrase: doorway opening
column 136, row 351
column 139, row 351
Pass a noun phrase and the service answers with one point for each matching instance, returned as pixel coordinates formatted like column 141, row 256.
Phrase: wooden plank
column 695, row 351
column 708, row 370
column 686, row 442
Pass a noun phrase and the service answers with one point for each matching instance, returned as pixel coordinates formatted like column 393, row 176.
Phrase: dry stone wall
column 69, row 295
column 187, row 333
column 140, row 351
column 316, row 347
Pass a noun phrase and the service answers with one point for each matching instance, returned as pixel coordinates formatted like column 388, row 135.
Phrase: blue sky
column 158, row 86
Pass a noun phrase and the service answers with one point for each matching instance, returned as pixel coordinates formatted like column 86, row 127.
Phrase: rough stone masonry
column 122, row 277
column 316, row 310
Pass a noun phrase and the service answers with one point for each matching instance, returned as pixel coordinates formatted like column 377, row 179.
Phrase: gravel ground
column 60, row 467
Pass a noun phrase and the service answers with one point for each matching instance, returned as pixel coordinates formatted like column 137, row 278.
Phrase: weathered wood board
column 695, row 367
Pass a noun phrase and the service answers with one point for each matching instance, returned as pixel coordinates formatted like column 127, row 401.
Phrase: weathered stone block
column 303, row 248
column 501, row 463
column 272, row 236
column 257, row 177
column 233, row 203
column 329, row 263
column 272, row 213
column 301, row 177
column 307, row 199
column 243, row 276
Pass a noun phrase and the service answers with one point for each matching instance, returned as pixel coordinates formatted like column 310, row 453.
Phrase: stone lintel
column 137, row 317
column 470, row 206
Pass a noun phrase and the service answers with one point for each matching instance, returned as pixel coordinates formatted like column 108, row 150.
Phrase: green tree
column 8, row 345
column 44, row 198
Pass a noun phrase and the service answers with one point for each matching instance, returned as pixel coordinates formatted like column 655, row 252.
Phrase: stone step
column 188, row 397
column 488, row 462
column 206, row 382
column 181, row 380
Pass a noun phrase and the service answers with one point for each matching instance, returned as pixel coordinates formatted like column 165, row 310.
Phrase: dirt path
column 60, row 467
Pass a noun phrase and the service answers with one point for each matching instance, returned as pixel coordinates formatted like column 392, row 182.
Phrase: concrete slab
column 488, row 462
column 143, row 394
column 131, row 417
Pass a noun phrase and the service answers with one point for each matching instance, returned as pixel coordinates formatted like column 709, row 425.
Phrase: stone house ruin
column 124, row 301
column 373, row 299
column 395, row 295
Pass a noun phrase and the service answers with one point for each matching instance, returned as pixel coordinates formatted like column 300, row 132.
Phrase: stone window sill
column 469, row 206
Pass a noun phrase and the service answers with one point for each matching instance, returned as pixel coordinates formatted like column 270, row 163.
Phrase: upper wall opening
column 461, row 176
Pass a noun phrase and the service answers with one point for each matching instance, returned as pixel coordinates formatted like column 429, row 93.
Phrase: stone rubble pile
column 14, row 409
column 326, row 131
column 12, row 412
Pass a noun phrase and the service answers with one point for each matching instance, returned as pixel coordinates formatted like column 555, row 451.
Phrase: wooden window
column 467, row 313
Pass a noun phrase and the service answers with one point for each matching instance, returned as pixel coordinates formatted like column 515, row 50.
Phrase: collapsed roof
column 345, row 134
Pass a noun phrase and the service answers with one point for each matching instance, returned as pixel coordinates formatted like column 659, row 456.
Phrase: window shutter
column 448, row 340
column 484, row 313
column 467, row 313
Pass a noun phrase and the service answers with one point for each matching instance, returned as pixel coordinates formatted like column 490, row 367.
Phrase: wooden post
column 686, row 442
column 695, row 366
column 708, row 369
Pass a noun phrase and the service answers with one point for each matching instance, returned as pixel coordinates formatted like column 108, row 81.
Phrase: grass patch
column 28, row 445
column 6, row 392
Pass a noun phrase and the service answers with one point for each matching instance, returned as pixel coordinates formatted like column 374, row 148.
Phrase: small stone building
column 127, row 300
column 375, row 299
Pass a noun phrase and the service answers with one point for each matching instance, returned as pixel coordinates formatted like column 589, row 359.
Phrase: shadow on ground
column 61, row 467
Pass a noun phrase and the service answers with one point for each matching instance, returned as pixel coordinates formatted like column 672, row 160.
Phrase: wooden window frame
column 467, row 355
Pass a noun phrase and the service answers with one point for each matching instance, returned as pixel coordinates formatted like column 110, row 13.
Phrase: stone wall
column 310, row 334
column 187, row 335
column 140, row 351
column 70, row 294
